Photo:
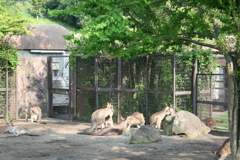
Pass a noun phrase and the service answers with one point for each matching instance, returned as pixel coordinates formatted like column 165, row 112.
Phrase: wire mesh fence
column 7, row 95
column 143, row 83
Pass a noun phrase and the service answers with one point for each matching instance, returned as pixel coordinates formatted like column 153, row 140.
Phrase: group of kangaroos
column 103, row 117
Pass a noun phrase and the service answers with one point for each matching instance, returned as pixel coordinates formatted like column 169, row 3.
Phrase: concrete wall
column 32, row 86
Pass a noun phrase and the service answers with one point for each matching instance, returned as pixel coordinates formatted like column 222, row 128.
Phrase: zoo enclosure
column 144, row 84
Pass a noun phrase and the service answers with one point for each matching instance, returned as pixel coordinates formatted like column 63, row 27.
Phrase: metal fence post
column 147, row 88
column 174, row 80
column 96, row 81
column 119, row 88
column 194, row 93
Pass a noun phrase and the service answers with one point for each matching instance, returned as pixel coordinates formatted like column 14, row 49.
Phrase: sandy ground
column 58, row 140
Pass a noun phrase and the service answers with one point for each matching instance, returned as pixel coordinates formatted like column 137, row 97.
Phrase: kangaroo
column 209, row 122
column 17, row 130
column 108, row 121
column 223, row 151
column 109, row 131
column 136, row 118
column 173, row 110
column 100, row 116
column 157, row 117
column 33, row 112
column 113, row 130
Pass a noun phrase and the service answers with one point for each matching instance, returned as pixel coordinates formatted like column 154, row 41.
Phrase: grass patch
column 222, row 121
column 33, row 20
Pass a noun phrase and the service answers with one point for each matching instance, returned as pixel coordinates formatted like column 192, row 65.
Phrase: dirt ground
column 58, row 140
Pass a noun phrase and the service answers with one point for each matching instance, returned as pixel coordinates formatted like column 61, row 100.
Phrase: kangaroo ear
column 123, row 119
column 214, row 152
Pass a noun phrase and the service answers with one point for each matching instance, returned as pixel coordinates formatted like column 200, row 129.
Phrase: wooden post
column 211, row 91
column 16, row 95
column 7, row 91
column 50, row 96
column 72, row 91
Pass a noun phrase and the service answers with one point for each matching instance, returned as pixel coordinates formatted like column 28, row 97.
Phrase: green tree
column 12, row 23
column 61, row 10
column 127, row 28
column 36, row 7
column 12, row 19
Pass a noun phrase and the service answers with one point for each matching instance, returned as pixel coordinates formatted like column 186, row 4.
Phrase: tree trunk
column 233, row 110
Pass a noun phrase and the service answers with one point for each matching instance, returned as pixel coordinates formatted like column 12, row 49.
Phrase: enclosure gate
column 59, row 88
column 212, row 93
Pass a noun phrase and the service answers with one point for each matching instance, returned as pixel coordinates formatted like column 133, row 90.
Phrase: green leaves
column 129, row 28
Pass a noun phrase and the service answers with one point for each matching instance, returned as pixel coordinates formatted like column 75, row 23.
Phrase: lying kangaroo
column 33, row 112
column 223, row 151
column 136, row 118
column 209, row 122
column 17, row 130
column 109, row 131
column 100, row 116
column 113, row 130
column 157, row 117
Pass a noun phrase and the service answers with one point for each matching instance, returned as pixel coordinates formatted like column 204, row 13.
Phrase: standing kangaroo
column 136, row 118
column 223, row 151
column 17, row 130
column 173, row 110
column 157, row 117
column 100, row 116
column 33, row 112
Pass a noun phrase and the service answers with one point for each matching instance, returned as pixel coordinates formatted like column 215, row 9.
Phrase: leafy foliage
column 12, row 19
column 145, row 27
column 8, row 55
column 12, row 22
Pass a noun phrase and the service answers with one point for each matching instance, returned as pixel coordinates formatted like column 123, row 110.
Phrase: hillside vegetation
column 33, row 20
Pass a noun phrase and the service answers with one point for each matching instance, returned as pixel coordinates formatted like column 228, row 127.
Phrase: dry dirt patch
column 58, row 140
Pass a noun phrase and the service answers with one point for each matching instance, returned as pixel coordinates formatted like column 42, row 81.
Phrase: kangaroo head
column 9, row 123
column 219, row 155
column 25, row 109
column 110, row 106
column 171, row 109
column 122, row 119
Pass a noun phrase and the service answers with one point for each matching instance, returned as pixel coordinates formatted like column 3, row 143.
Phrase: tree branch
column 198, row 33
column 158, row 1
column 193, row 41
column 145, row 22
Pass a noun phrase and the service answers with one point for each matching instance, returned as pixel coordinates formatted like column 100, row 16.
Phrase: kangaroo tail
column 40, row 116
column 94, row 125
column 42, row 122
column 33, row 134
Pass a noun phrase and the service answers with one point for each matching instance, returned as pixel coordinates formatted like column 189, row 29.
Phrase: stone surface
column 189, row 124
column 146, row 134
column 168, row 124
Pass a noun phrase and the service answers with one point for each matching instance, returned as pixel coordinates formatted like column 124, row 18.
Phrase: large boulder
column 168, row 124
column 189, row 124
column 146, row 134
